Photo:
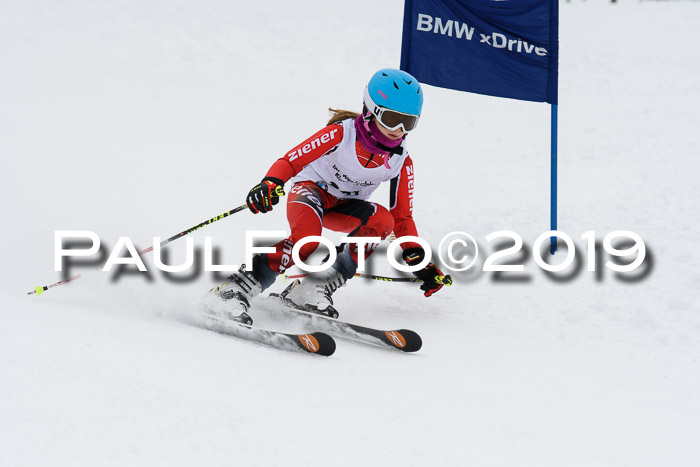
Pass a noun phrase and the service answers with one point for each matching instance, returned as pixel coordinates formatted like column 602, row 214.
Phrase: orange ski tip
column 309, row 342
column 396, row 338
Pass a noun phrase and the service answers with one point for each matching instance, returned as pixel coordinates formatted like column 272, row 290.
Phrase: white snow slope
column 141, row 119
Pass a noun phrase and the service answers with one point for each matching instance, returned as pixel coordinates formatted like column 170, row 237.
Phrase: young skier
column 333, row 173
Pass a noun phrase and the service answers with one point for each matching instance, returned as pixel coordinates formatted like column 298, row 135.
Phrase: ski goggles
column 394, row 120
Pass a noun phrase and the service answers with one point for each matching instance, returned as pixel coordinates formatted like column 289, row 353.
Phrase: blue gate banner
column 503, row 48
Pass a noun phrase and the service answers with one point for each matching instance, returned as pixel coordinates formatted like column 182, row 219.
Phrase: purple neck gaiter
column 369, row 141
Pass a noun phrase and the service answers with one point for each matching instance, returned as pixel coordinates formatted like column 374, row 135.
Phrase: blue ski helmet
column 394, row 90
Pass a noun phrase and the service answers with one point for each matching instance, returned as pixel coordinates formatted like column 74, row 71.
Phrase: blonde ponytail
column 338, row 115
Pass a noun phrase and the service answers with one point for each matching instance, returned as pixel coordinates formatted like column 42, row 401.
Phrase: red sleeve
column 306, row 152
column 402, row 203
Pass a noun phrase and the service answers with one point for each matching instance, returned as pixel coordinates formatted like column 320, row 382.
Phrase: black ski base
column 317, row 343
column 404, row 340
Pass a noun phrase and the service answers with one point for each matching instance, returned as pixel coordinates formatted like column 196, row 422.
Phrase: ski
column 317, row 343
column 401, row 339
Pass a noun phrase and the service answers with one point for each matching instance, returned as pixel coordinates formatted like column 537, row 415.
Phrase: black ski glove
column 265, row 194
column 433, row 279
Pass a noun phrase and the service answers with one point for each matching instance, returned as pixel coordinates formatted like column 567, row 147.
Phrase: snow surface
column 141, row 119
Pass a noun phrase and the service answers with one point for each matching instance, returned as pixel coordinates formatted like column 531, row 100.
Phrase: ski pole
column 279, row 191
column 447, row 279
column 196, row 227
column 367, row 276
column 39, row 289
